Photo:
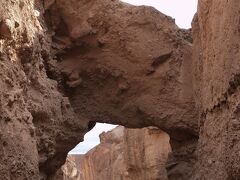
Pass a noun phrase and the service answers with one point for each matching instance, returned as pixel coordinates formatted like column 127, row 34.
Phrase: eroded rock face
column 216, row 51
column 118, row 61
column 37, row 122
column 124, row 154
column 70, row 170
column 126, row 65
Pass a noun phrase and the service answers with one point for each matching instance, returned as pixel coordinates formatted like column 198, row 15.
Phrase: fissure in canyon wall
column 68, row 64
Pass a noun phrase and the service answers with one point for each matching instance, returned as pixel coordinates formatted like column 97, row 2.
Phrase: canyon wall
column 123, row 154
column 36, row 120
column 216, row 34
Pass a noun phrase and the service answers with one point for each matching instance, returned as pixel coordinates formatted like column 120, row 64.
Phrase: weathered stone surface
column 123, row 154
column 135, row 68
column 70, row 170
column 216, row 63
column 36, row 121
column 112, row 58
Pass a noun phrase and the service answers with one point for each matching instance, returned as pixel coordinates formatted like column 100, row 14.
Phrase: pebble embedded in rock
column 235, row 123
column 6, row 28
column 36, row 13
column 73, row 84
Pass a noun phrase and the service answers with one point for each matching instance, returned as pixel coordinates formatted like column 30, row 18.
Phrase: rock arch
column 127, row 65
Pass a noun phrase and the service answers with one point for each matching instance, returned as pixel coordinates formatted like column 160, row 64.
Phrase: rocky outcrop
column 34, row 116
column 123, row 154
column 115, row 68
column 70, row 170
column 37, row 121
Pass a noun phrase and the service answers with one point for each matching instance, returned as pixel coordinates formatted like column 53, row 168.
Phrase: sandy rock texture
column 37, row 121
column 123, row 154
column 71, row 169
column 126, row 65
column 216, row 34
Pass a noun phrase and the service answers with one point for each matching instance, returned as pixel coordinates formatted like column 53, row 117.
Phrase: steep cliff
column 36, row 121
column 18, row 147
column 217, row 79
column 123, row 154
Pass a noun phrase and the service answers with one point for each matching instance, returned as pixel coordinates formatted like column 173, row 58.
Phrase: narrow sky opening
column 181, row 10
column 91, row 139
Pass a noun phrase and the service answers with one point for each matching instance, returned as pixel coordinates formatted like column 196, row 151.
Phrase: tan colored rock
column 115, row 55
column 217, row 66
column 34, row 115
column 135, row 66
column 6, row 28
column 69, row 171
column 124, row 154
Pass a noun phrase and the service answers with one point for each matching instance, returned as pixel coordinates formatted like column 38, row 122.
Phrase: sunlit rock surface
column 123, row 154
